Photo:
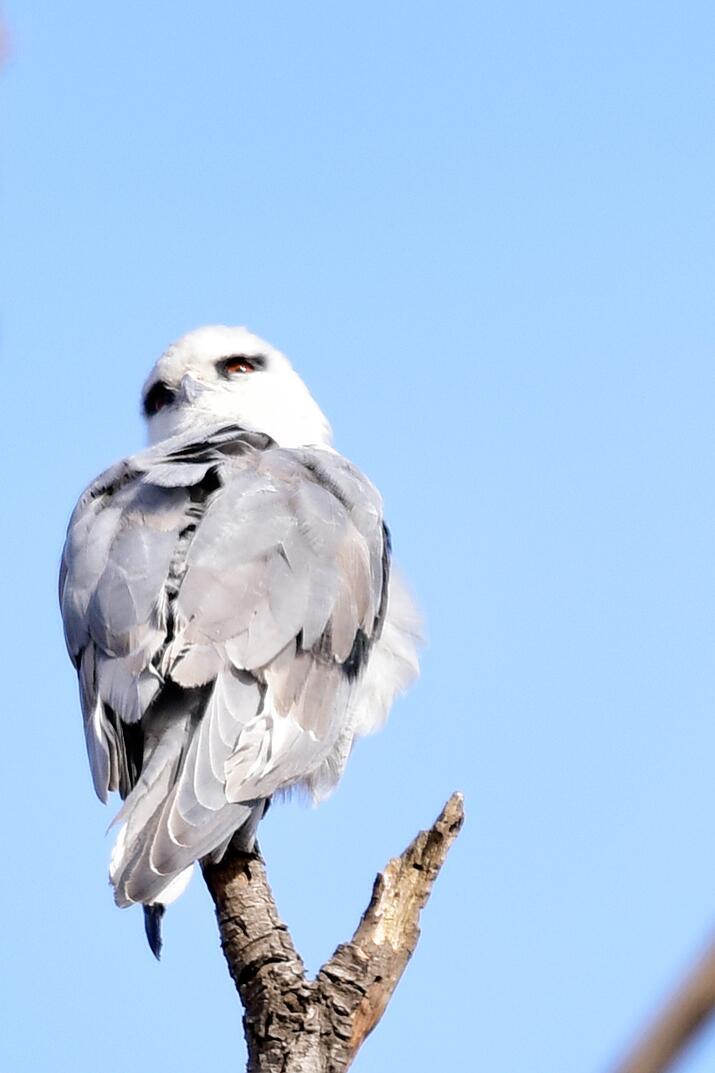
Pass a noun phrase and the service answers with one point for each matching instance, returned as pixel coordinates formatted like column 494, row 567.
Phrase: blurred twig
column 678, row 1023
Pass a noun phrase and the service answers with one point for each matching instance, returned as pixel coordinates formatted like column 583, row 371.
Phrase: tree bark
column 296, row 1025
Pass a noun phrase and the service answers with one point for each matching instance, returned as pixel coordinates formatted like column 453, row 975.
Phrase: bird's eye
column 157, row 397
column 239, row 364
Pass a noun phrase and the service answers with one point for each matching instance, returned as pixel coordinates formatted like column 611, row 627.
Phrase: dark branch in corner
column 317, row 1026
column 678, row 1023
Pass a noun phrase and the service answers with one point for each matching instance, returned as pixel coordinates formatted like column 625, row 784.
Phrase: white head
column 218, row 374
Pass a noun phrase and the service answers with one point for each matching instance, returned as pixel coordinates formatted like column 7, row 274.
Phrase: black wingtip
column 152, row 927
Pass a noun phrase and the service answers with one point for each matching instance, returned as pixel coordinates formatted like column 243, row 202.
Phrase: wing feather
column 222, row 598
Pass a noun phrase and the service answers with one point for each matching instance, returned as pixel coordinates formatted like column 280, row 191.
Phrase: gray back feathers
column 223, row 602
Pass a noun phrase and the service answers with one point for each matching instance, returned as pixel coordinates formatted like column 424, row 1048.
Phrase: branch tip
column 293, row 1023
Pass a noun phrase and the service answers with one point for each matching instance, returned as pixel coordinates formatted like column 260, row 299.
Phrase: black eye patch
column 157, row 397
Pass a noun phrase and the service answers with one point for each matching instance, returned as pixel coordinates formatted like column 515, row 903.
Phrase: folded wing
column 222, row 602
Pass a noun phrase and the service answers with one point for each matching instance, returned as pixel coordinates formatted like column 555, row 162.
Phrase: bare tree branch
column 294, row 1024
column 678, row 1023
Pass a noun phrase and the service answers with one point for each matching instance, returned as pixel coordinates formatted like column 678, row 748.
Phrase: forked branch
column 317, row 1026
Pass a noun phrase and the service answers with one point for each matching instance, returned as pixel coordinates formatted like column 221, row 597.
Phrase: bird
column 231, row 609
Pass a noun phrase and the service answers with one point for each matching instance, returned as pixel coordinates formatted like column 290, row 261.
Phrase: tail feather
column 170, row 819
column 178, row 810
column 153, row 914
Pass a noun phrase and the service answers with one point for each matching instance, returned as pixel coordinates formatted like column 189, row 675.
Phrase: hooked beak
column 189, row 389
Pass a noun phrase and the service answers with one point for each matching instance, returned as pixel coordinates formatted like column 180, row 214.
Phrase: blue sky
column 485, row 235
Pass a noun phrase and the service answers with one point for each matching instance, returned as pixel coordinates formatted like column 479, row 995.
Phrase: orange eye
column 238, row 365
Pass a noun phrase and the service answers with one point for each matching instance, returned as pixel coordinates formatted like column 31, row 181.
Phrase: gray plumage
column 228, row 605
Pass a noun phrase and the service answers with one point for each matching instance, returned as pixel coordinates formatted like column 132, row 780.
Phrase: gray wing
column 220, row 602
